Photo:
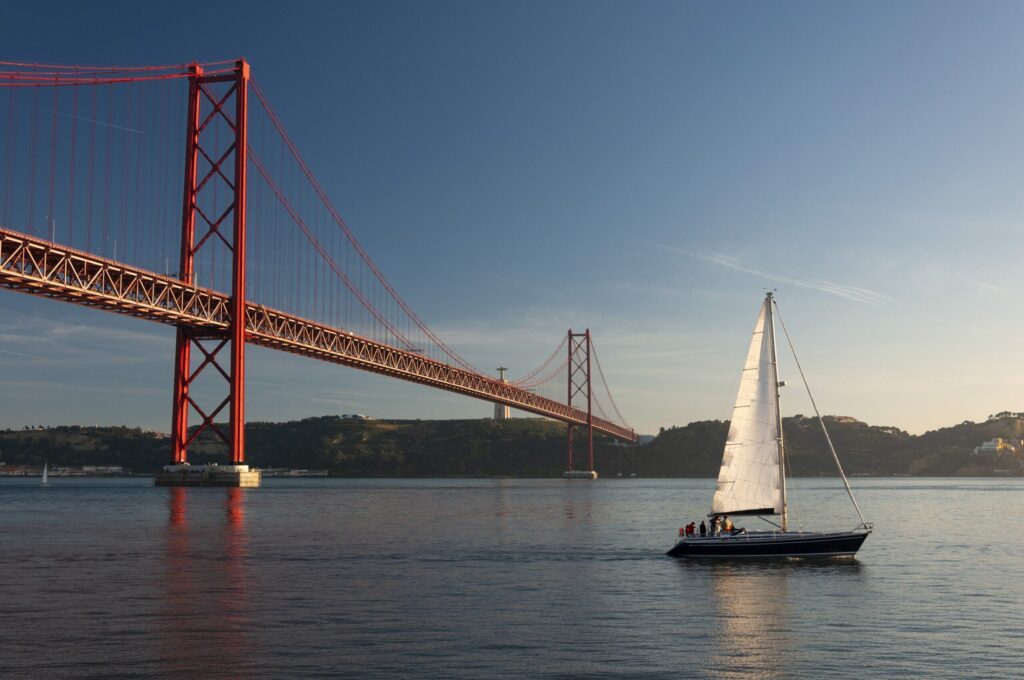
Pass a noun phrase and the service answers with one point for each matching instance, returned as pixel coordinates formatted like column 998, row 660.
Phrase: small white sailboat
column 46, row 476
column 752, row 478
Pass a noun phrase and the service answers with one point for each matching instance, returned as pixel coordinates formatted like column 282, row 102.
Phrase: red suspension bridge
column 92, row 212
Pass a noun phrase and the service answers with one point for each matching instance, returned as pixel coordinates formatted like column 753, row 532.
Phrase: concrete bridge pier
column 183, row 474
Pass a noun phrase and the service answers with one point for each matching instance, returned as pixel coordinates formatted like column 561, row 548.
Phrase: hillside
column 696, row 449
column 524, row 447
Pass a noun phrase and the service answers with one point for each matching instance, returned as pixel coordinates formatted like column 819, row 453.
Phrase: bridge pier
column 183, row 474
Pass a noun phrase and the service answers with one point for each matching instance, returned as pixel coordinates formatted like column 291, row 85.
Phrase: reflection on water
column 207, row 599
column 752, row 635
column 751, row 638
column 480, row 579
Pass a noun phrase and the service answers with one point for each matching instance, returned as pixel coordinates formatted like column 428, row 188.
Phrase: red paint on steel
column 238, row 269
column 569, row 400
column 590, row 412
column 183, row 342
column 580, row 384
column 212, row 344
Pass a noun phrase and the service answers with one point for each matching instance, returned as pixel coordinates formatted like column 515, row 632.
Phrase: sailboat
column 46, row 476
column 752, row 480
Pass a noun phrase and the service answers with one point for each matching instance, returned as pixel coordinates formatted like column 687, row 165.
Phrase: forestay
column 750, row 481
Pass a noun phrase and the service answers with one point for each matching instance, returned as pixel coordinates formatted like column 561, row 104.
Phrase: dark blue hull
column 772, row 544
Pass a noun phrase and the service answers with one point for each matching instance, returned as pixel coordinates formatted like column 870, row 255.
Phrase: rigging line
column 355, row 243
column 547, row 361
column 312, row 239
column 821, row 422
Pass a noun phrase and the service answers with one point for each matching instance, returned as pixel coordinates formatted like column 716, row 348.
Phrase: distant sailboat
column 46, row 476
column 752, row 479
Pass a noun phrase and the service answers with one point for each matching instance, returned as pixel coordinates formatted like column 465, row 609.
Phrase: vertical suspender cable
column 91, row 175
column 50, row 226
column 71, row 164
column 30, row 227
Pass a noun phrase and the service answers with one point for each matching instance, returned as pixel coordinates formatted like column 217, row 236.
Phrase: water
column 497, row 578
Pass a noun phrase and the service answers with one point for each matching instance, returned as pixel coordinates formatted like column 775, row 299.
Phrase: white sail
column 750, row 480
column 45, row 475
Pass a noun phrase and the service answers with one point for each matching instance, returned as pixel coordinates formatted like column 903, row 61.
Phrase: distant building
column 995, row 447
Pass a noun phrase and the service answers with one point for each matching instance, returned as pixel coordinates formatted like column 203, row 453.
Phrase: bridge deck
column 38, row 267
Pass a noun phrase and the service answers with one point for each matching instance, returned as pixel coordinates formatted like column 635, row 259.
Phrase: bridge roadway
column 39, row 267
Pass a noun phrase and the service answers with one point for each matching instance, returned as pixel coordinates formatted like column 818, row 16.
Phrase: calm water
column 489, row 578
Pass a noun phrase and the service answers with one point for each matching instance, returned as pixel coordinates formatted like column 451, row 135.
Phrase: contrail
column 854, row 293
column 19, row 354
column 87, row 120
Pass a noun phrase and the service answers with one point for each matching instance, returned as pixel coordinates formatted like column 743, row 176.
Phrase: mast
column 769, row 319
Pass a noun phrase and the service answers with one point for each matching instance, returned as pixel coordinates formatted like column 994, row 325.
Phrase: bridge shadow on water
column 205, row 616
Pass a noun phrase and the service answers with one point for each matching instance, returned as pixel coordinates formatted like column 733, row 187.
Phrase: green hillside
column 524, row 447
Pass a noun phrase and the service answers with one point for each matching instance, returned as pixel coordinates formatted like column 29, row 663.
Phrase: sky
column 645, row 170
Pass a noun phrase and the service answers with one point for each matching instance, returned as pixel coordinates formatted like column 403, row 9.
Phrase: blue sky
column 642, row 169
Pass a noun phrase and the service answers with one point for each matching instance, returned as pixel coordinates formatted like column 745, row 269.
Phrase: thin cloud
column 985, row 286
column 853, row 293
column 20, row 354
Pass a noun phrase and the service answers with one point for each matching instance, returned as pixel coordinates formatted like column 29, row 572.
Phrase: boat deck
column 771, row 544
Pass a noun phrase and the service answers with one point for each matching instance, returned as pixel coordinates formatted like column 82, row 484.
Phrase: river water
column 498, row 578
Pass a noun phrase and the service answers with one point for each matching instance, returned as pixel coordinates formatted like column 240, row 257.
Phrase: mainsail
column 750, row 481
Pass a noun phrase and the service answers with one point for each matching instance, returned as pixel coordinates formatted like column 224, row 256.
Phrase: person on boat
column 691, row 528
column 703, row 529
column 727, row 525
column 716, row 526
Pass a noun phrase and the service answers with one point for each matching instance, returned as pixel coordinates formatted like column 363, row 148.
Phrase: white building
column 995, row 447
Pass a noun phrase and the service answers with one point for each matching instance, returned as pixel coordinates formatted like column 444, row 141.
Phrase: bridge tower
column 579, row 387
column 215, row 187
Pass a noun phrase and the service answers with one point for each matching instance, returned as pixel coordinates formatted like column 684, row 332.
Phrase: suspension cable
column 604, row 382
column 526, row 378
column 336, row 216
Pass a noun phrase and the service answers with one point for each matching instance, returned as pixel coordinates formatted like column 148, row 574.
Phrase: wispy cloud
column 61, row 331
column 854, row 293
column 25, row 355
column 982, row 285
